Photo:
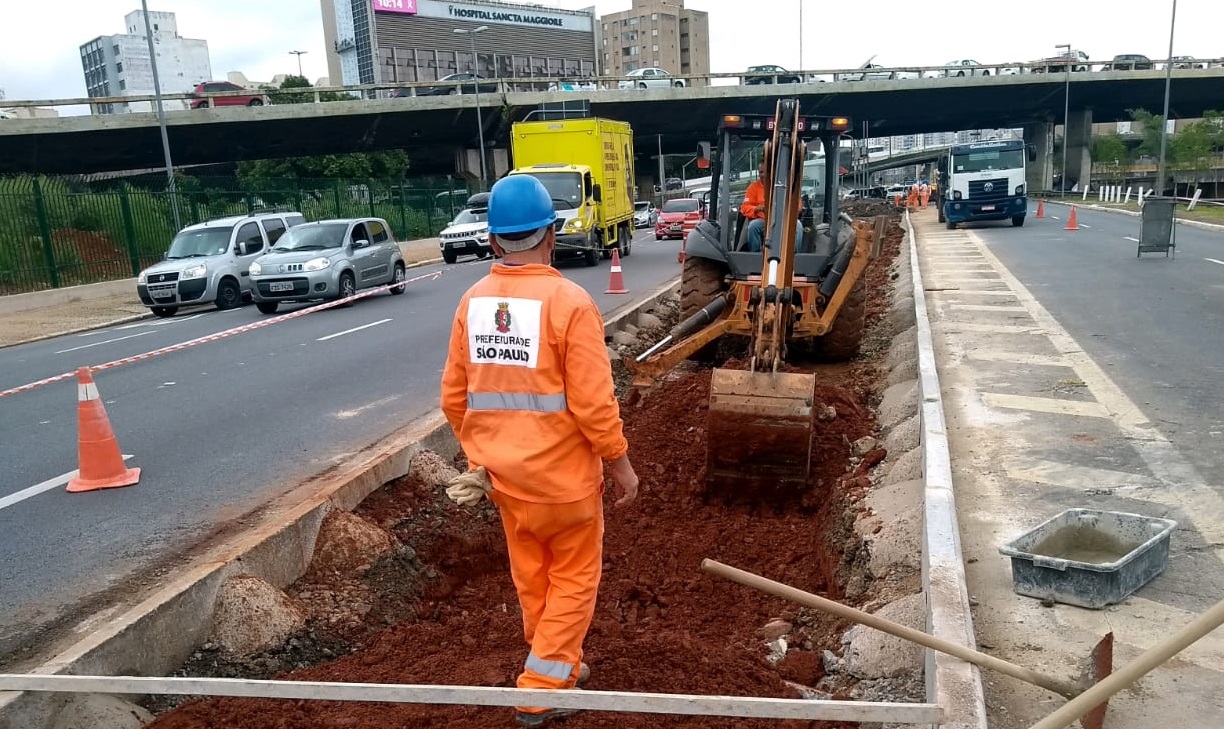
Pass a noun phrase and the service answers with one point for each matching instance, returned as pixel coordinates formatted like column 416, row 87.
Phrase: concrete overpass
column 905, row 159
column 436, row 130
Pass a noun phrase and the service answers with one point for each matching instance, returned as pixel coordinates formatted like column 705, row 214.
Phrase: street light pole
column 1062, row 184
column 161, row 116
column 800, row 35
column 476, row 84
column 1164, row 120
column 299, row 57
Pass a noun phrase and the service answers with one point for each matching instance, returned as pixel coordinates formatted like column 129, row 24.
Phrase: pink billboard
column 407, row 7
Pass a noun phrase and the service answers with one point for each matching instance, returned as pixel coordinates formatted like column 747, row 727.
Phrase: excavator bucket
column 759, row 430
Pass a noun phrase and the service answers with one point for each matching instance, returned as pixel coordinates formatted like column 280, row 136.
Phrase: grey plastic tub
column 1089, row 558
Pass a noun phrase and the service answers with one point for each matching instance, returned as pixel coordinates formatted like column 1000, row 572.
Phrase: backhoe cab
column 803, row 286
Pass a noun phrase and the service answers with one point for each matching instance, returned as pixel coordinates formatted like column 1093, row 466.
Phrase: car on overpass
column 327, row 260
column 1129, row 62
column 1183, row 62
column 875, row 72
column 1078, row 61
column 969, row 67
column 649, row 78
column 451, row 84
column 769, row 74
column 224, row 87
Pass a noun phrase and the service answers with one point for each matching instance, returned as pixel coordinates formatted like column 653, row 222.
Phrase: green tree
column 270, row 175
column 1109, row 148
column 1150, row 126
column 1192, row 146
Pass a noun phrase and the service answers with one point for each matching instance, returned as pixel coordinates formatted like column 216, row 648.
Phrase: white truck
column 984, row 181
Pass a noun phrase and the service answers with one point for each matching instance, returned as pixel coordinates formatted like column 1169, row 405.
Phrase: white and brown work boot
column 527, row 719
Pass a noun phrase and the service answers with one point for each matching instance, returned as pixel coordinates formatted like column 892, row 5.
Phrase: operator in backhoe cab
column 753, row 210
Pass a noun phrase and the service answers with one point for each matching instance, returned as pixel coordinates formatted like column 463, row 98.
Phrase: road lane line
column 1213, row 260
column 1053, row 405
column 354, row 329
column 988, row 307
column 992, row 355
column 1083, row 478
column 1131, row 239
column 965, row 326
column 1178, row 483
column 37, row 489
column 107, row 341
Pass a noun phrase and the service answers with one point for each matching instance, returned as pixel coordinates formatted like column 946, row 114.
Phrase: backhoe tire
column 701, row 280
column 844, row 339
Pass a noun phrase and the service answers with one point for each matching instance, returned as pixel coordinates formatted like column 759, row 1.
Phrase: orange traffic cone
column 1041, row 208
column 616, row 283
column 101, row 462
column 1071, row 224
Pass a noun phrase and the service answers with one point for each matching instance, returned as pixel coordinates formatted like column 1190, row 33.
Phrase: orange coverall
column 527, row 388
column 753, row 196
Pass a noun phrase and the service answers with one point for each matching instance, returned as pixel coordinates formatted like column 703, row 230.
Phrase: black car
column 485, row 86
column 756, row 75
column 1129, row 62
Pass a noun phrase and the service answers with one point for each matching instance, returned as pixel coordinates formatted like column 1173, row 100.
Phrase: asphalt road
column 1155, row 324
column 219, row 428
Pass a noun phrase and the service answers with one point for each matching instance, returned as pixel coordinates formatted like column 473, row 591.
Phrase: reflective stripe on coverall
column 527, row 388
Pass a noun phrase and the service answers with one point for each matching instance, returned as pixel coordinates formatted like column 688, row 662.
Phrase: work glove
column 469, row 488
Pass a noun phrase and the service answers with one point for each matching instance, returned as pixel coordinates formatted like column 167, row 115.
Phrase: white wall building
column 118, row 65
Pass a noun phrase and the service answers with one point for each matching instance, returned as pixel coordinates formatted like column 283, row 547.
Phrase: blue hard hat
column 519, row 204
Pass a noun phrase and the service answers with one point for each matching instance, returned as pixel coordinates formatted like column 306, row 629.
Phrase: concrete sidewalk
column 56, row 312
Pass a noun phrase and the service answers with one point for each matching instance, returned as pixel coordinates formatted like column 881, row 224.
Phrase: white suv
column 209, row 262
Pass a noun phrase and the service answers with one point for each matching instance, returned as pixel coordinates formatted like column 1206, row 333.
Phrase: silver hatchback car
column 328, row 259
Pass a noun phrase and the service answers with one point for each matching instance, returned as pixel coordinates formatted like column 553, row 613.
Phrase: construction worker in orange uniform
column 527, row 388
column 753, row 209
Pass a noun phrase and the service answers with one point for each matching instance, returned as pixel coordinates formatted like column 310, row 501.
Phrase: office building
column 119, row 65
column 659, row 34
column 403, row 41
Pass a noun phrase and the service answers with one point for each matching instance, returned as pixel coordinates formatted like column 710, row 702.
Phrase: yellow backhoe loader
column 805, row 286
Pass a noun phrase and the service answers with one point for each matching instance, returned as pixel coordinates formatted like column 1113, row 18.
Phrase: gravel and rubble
column 431, row 601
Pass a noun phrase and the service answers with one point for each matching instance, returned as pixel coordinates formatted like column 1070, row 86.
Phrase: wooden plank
column 625, row 701
column 881, row 225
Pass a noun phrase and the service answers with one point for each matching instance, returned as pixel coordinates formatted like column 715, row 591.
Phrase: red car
column 677, row 218
column 217, row 87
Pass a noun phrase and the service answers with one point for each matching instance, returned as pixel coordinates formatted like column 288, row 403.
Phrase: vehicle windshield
column 471, row 216
column 642, row 206
column 200, row 243
column 681, row 206
column 988, row 159
column 312, row 237
column 741, row 170
column 565, row 188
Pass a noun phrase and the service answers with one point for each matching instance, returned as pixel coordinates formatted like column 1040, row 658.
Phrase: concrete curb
column 952, row 683
column 1214, row 227
column 155, row 636
column 110, row 322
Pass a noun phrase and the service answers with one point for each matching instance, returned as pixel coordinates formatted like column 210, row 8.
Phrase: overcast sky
column 39, row 56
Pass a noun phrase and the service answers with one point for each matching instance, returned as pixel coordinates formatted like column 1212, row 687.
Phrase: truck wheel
column 700, row 281
column 624, row 241
column 844, row 339
column 942, row 219
column 1018, row 221
column 591, row 257
column 951, row 225
column 229, row 296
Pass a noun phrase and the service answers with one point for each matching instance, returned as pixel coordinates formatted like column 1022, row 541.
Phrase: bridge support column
column 467, row 163
column 1077, row 135
column 1039, row 175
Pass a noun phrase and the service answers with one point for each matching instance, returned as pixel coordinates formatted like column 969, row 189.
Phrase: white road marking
column 346, row 414
column 1129, row 238
column 965, row 326
column 37, row 489
column 967, row 279
column 1178, row 483
column 987, row 307
column 1083, row 478
column 994, row 355
column 1214, row 260
column 1082, row 225
column 105, row 341
column 354, row 329
column 1046, row 405
column 974, row 292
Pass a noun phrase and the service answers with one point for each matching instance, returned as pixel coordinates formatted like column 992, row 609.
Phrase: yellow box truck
column 587, row 167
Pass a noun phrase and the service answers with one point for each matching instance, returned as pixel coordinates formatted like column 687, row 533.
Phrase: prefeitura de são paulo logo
column 502, row 318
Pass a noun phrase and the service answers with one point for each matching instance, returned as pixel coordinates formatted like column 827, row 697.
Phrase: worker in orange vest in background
column 913, row 196
column 527, row 388
column 924, row 192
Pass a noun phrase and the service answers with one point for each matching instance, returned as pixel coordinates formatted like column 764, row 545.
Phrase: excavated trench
column 435, row 605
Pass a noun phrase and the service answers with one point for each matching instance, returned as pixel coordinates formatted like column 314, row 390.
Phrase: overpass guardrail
column 564, row 84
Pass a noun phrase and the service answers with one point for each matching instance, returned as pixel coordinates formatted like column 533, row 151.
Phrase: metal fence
column 67, row 231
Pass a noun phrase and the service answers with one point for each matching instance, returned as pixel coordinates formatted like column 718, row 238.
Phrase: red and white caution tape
column 219, row 335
